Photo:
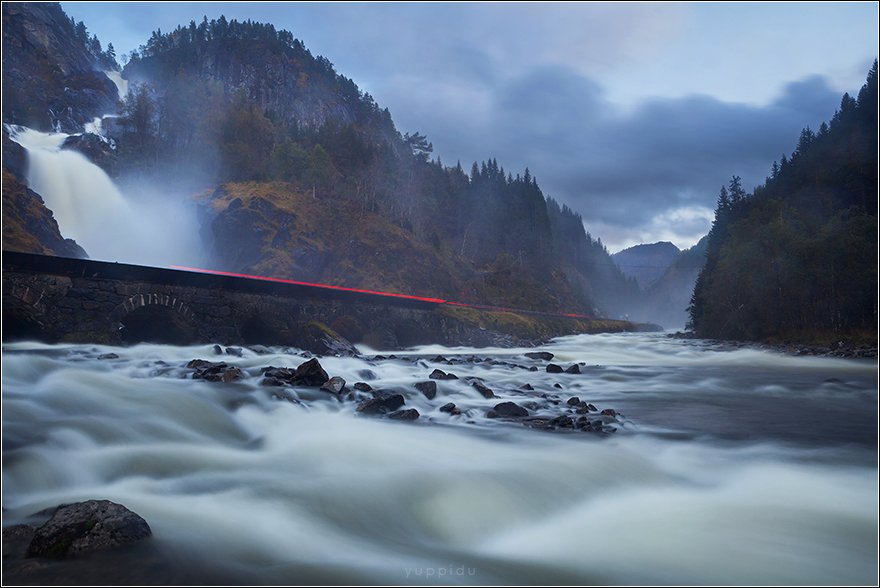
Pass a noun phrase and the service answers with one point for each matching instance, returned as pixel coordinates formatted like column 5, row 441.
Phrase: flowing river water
column 728, row 466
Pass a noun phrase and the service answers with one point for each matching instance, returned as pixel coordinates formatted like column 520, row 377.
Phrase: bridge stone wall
column 60, row 308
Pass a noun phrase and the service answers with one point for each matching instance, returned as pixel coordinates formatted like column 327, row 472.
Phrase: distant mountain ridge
column 646, row 262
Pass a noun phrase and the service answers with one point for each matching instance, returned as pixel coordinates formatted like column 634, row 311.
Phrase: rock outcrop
column 83, row 527
column 29, row 226
column 50, row 80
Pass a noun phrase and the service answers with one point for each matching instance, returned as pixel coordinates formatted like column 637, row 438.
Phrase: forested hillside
column 798, row 257
column 227, row 101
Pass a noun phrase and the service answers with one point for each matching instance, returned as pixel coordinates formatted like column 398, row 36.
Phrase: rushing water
column 139, row 227
column 731, row 466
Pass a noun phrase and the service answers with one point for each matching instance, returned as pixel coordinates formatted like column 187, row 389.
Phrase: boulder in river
column 429, row 389
column 334, row 385
column 310, row 373
column 508, row 409
column 214, row 372
column 408, row 414
column 441, row 375
column 450, row 408
column 382, row 402
column 552, row 368
column 83, row 527
column 544, row 355
column 483, row 389
column 573, row 369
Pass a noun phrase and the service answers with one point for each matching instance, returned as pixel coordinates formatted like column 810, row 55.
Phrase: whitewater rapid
column 709, row 479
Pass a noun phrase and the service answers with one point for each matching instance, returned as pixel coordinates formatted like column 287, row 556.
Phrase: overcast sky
column 632, row 114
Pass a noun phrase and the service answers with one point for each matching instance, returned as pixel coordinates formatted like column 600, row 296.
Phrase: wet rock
column 543, row 355
column 526, row 387
column 334, row 385
column 592, row 408
column 409, row 414
column 16, row 539
column 214, row 372
column 573, row 401
column 557, row 385
column 217, row 350
column 450, row 408
column 108, row 356
column 236, row 351
column 99, row 150
column 441, row 375
column 609, row 412
column 539, row 423
column 381, row 403
column 554, row 369
column 533, row 369
column 484, row 390
column 510, row 409
column 362, row 387
column 439, row 359
column 199, row 363
column 83, row 527
column 563, row 422
column 320, row 339
column 310, row 373
column 260, row 349
column 429, row 389
column 368, row 375
column 573, row 369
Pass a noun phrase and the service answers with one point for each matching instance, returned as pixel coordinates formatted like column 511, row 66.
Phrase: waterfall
column 121, row 84
column 144, row 228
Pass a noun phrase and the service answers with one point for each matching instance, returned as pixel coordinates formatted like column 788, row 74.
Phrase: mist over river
column 728, row 465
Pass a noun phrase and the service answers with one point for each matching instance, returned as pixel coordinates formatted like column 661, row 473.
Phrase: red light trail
column 374, row 292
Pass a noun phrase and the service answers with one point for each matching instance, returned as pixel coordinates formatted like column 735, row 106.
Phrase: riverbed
column 721, row 465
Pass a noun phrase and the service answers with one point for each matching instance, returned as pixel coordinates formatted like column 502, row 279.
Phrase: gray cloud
column 624, row 169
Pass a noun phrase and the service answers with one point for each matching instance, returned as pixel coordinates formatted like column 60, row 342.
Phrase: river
column 728, row 465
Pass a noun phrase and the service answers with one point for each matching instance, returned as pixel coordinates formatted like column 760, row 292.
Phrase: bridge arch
column 155, row 317
column 137, row 301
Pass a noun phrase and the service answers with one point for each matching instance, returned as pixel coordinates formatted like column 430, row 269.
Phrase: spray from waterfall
column 142, row 226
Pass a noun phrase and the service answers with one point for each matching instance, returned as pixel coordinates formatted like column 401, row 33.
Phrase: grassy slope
column 365, row 250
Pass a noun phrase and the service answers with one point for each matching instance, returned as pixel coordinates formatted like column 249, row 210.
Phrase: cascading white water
column 152, row 230
column 233, row 480
column 121, row 83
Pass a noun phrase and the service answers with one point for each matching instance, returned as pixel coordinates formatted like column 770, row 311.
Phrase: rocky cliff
column 50, row 79
column 29, row 226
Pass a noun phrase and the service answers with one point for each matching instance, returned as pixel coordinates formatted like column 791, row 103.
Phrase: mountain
column 646, row 263
column 233, row 102
column 53, row 73
column 298, row 172
column 668, row 297
column 797, row 259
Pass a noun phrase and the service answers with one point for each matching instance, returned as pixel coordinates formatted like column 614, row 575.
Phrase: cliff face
column 49, row 77
column 29, row 226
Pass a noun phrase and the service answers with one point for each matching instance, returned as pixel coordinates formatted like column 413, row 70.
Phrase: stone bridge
column 59, row 299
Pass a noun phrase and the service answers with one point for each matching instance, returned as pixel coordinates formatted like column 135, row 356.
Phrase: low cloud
column 625, row 171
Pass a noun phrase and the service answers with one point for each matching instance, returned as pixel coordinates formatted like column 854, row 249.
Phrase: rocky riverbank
column 843, row 348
